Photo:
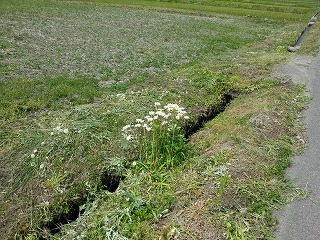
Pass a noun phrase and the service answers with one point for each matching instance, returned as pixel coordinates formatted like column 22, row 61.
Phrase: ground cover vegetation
column 285, row 10
column 96, row 100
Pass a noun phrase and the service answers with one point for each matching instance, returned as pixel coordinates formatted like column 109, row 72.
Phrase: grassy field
column 98, row 103
column 281, row 10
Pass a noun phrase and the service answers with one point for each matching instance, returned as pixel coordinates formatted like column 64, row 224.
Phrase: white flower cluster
column 160, row 117
column 58, row 130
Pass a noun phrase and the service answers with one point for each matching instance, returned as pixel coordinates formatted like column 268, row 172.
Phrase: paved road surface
column 300, row 220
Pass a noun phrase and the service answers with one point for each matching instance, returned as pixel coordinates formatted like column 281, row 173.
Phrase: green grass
column 74, row 74
column 23, row 96
column 229, row 191
column 279, row 10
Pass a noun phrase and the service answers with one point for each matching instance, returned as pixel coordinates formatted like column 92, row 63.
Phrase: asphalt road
column 300, row 220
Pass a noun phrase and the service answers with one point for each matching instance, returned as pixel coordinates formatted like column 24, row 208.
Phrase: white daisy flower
column 150, row 119
column 160, row 113
column 166, row 116
column 164, row 122
column 126, row 127
column 129, row 137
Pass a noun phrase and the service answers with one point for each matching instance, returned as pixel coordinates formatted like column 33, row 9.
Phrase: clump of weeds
column 158, row 138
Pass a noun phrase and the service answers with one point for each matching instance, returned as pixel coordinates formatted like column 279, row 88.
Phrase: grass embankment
column 67, row 92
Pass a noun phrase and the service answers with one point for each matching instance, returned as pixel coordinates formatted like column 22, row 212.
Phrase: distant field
column 73, row 74
column 284, row 10
column 111, row 44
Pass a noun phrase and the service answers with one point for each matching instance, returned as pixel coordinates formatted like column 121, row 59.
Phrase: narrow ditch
column 208, row 115
column 299, row 40
column 110, row 181
column 55, row 224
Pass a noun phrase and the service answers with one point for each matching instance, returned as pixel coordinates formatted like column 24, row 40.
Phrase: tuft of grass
column 24, row 96
column 158, row 138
